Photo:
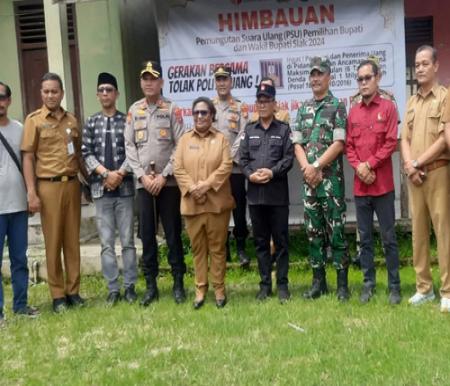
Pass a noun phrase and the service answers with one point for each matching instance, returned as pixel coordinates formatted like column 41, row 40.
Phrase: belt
column 57, row 178
column 436, row 164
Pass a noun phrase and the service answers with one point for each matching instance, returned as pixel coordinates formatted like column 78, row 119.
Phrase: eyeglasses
column 108, row 90
column 201, row 113
column 264, row 101
column 3, row 97
column 366, row 78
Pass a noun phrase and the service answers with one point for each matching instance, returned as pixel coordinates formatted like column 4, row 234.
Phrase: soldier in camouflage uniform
column 319, row 137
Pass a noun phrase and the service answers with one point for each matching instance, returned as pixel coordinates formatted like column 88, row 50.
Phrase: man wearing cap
column 154, row 126
column 13, row 209
column 319, row 138
column 426, row 163
column 371, row 140
column 280, row 114
column 52, row 158
column 112, row 188
column 266, row 156
column 231, row 118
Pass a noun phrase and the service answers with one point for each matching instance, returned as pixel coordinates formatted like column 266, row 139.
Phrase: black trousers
column 384, row 208
column 240, row 230
column 271, row 221
column 168, row 210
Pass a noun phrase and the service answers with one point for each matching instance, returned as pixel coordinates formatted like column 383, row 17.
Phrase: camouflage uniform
column 318, row 125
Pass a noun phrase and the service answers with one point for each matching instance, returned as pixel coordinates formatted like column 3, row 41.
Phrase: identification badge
column 70, row 148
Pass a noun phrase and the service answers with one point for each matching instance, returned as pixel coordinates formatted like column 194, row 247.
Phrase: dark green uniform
column 318, row 125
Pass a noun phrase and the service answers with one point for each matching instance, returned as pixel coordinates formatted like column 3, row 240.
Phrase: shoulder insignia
column 129, row 116
column 34, row 113
column 244, row 110
column 178, row 115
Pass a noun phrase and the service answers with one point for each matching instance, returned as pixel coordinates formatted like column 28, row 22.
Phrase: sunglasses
column 3, row 97
column 201, row 113
column 108, row 90
column 366, row 78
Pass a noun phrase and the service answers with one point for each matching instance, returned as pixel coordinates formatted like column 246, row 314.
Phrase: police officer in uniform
column 319, row 138
column 154, row 125
column 266, row 156
column 232, row 116
column 52, row 151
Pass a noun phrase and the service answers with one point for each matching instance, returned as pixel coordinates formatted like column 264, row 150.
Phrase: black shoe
column 244, row 260
column 366, row 294
column 150, row 296
column 220, row 303
column 283, row 295
column 113, row 298
column 342, row 292
column 75, row 300
column 29, row 312
column 263, row 293
column 198, row 304
column 59, row 305
column 130, row 294
column 179, row 294
column 319, row 284
column 395, row 296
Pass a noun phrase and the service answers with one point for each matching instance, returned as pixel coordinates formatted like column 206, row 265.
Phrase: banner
column 278, row 38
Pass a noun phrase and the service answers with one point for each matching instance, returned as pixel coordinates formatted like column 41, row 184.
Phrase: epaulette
column 36, row 112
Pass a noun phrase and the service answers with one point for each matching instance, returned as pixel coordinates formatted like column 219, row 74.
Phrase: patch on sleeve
column 338, row 135
column 297, row 136
column 179, row 115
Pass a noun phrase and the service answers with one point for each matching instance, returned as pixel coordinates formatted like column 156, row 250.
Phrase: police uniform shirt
column 151, row 134
column 231, row 118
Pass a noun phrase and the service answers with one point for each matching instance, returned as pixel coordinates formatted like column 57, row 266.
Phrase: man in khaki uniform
column 153, row 127
column 51, row 146
column 232, row 116
column 426, row 163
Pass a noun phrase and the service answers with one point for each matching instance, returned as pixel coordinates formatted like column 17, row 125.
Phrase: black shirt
column 267, row 148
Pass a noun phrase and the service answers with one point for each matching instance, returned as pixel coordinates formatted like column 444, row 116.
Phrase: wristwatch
column 316, row 164
column 105, row 174
column 415, row 163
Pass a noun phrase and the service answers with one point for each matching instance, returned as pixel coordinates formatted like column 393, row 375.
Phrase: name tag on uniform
column 70, row 148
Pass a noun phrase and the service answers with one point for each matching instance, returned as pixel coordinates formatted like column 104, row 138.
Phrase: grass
column 246, row 343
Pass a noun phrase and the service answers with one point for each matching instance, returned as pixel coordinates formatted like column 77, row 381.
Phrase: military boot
column 152, row 293
column 319, row 284
column 179, row 294
column 342, row 292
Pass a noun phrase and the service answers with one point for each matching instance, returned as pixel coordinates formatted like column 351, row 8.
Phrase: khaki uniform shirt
column 151, row 134
column 423, row 123
column 231, row 118
column 446, row 113
column 55, row 140
column 204, row 158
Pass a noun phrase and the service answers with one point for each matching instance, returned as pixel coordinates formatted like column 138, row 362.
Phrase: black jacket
column 272, row 149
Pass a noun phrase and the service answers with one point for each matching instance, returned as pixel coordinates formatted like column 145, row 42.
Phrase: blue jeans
column 384, row 208
column 112, row 213
column 14, row 226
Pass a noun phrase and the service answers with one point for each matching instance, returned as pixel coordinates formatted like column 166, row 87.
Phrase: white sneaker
column 445, row 305
column 419, row 298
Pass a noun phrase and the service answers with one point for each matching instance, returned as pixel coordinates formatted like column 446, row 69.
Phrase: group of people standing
column 226, row 162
